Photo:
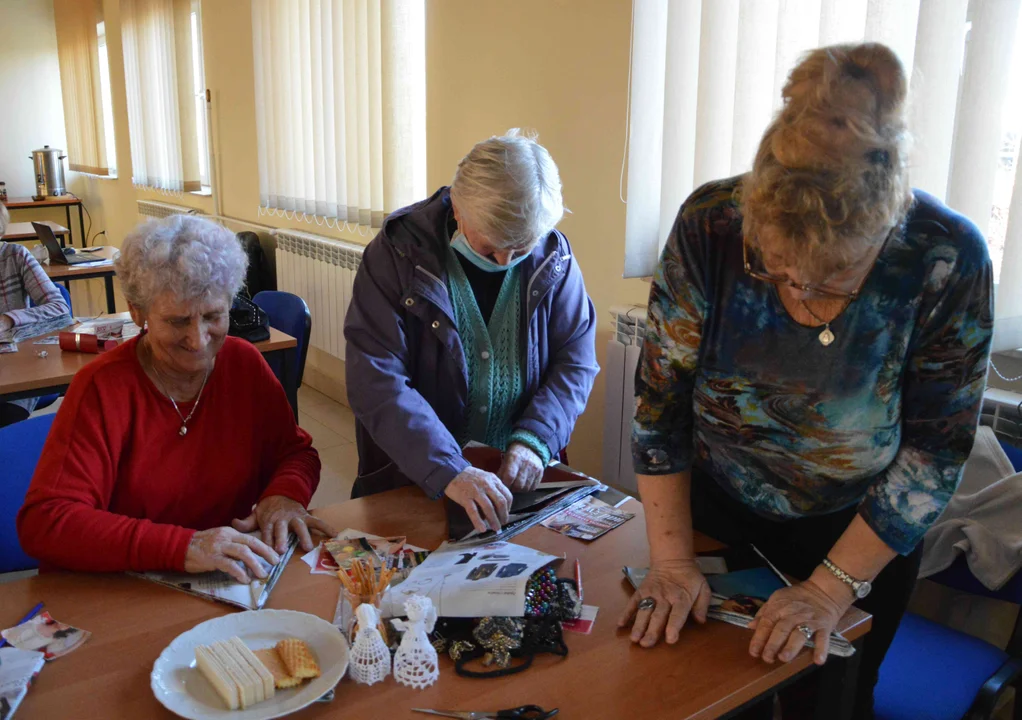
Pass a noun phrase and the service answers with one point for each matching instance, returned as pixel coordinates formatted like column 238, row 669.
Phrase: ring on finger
column 647, row 603
column 806, row 631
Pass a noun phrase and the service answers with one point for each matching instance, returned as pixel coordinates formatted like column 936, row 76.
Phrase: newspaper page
column 472, row 581
column 18, row 669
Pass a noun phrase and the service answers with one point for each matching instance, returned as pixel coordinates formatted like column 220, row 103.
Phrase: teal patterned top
column 492, row 354
column 884, row 417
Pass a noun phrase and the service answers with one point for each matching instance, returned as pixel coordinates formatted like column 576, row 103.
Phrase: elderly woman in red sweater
column 172, row 450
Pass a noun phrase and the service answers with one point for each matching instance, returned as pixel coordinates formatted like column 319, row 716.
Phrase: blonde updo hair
column 831, row 173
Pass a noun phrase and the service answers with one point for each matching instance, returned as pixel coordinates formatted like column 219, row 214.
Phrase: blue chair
column 933, row 672
column 288, row 313
column 47, row 400
column 21, row 444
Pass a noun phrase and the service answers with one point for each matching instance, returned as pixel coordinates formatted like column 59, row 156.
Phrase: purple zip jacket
column 407, row 379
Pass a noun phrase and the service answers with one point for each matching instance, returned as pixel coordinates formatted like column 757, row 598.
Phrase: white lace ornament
column 415, row 664
column 370, row 656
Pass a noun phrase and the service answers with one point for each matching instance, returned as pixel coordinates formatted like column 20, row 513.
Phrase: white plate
column 182, row 689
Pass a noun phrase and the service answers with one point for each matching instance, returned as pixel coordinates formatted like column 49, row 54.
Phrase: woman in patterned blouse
column 813, row 369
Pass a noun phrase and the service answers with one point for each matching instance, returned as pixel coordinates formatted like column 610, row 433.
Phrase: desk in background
column 707, row 674
column 25, row 231
column 88, row 271
column 65, row 201
column 24, row 374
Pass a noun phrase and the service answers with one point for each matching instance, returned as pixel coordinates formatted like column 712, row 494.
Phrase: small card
column 587, row 519
column 583, row 624
column 52, row 638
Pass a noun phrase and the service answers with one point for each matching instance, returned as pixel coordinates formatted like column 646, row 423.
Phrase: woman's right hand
column 224, row 548
column 679, row 589
column 485, row 498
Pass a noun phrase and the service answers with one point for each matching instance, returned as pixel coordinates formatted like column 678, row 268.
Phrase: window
column 340, row 108
column 160, row 76
column 199, row 82
column 107, row 102
column 706, row 79
column 89, row 127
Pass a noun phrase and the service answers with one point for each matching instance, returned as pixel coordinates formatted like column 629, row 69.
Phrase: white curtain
column 78, row 54
column 706, row 79
column 158, row 73
column 340, row 107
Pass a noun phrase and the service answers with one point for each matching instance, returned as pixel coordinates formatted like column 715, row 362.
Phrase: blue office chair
column 21, row 444
column 47, row 400
column 288, row 313
column 933, row 672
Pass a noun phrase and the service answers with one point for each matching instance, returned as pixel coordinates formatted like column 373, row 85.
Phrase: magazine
column 471, row 581
column 741, row 580
column 18, row 668
column 587, row 519
column 221, row 587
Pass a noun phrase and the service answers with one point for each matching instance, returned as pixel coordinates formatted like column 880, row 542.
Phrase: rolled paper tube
column 79, row 342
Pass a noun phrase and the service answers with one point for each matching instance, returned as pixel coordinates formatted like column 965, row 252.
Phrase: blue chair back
column 21, row 444
column 67, row 299
column 288, row 313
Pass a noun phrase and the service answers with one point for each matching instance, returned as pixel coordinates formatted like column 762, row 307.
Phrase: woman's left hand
column 777, row 622
column 522, row 468
column 276, row 516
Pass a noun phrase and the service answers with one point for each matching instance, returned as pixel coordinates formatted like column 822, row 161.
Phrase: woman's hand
column 226, row 549
column 276, row 516
column 812, row 603
column 483, row 496
column 522, row 468
column 679, row 589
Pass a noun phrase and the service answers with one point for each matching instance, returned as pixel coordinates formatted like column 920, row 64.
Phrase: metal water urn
column 49, row 172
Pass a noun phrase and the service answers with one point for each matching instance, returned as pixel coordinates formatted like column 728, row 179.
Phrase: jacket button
column 436, row 324
column 485, row 355
column 557, row 268
column 409, row 302
column 483, row 408
column 535, row 293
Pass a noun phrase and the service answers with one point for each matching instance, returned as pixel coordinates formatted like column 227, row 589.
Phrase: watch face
column 863, row 590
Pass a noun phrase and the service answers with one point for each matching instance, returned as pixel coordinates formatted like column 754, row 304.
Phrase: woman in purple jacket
column 469, row 320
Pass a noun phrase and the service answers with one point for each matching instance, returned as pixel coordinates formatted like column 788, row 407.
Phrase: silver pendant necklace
column 184, row 420
column 826, row 337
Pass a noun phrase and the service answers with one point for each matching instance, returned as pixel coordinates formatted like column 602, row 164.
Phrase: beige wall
column 558, row 66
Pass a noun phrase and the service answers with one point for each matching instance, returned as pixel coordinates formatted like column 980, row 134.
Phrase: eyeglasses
column 808, row 287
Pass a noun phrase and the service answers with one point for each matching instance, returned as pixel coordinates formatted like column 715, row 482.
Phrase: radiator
column 321, row 271
column 629, row 326
column 153, row 210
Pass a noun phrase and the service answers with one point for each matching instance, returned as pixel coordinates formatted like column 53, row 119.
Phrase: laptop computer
column 57, row 256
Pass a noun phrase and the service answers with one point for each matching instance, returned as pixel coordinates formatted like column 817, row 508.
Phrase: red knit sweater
column 117, row 488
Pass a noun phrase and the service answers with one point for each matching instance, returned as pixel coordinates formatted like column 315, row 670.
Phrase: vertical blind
column 158, row 73
column 340, row 91
column 706, row 79
column 78, row 56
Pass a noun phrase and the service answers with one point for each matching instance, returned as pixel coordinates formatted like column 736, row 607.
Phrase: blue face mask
column 461, row 246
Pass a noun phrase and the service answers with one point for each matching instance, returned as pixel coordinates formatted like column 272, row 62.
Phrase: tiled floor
column 332, row 427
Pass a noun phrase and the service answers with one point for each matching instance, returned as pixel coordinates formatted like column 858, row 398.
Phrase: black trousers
column 796, row 547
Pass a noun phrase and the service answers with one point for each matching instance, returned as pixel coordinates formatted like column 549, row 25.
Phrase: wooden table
column 87, row 271
column 25, row 231
column 65, row 201
column 24, row 374
column 708, row 674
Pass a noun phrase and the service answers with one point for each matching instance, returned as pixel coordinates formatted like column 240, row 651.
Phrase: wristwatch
column 860, row 588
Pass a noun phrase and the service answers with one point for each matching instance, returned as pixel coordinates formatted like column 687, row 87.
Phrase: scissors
column 525, row 712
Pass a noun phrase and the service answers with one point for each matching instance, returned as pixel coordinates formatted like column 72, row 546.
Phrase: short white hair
column 508, row 188
column 192, row 257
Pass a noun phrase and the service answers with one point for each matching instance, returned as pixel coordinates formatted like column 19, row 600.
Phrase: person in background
column 469, row 320
column 170, row 449
column 23, row 279
column 813, row 369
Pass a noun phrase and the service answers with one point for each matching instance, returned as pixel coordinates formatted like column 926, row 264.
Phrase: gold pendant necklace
column 826, row 337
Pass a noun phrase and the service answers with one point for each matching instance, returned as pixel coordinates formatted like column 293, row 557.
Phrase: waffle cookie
column 298, row 658
column 282, row 679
